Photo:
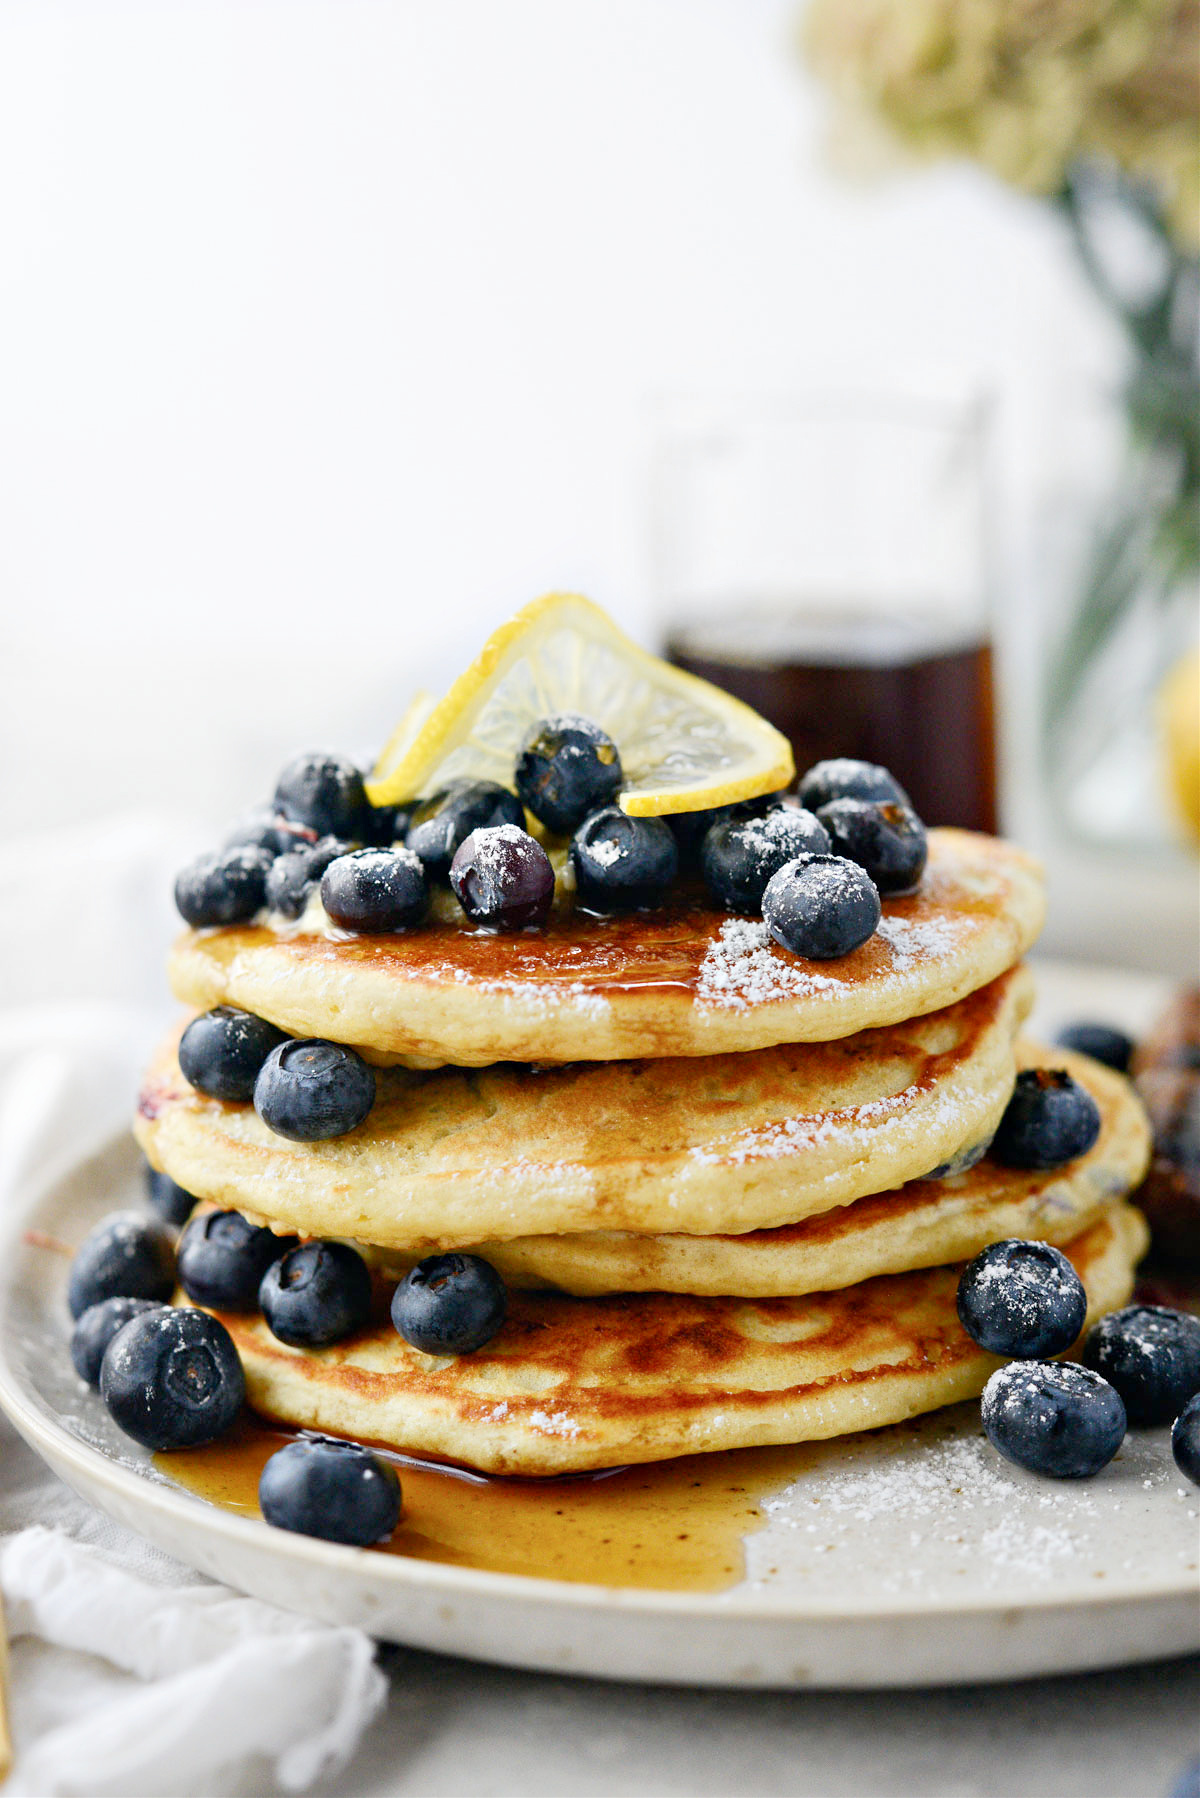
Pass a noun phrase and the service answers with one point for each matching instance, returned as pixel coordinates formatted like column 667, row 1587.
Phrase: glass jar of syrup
column 823, row 559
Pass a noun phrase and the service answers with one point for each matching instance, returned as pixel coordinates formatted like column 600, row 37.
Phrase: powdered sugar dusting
column 929, row 1512
column 743, row 968
column 913, row 940
column 940, row 1492
column 605, row 852
column 554, row 1423
column 490, row 842
column 946, row 1116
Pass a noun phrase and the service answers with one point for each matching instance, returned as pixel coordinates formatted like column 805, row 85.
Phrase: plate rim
column 37, row 1424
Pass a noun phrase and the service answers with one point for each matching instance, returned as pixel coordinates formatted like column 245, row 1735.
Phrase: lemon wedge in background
column 1179, row 711
column 684, row 745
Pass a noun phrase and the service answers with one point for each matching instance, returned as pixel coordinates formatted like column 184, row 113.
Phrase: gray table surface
column 452, row 1728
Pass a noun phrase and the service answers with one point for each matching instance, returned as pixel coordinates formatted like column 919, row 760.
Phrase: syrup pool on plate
column 673, row 1526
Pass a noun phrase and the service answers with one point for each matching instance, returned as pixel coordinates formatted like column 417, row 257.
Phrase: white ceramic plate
column 908, row 1556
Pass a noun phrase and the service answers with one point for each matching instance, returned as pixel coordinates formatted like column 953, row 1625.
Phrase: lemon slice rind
column 685, row 745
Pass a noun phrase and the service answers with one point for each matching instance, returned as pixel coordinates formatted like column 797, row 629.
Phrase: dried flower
column 1026, row 87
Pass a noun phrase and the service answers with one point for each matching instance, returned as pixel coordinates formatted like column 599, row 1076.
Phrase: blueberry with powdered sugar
column 171, row 1378
column 441, row 824
column 376, row 890
column 95, row 1329
column 221, row 1052
column 843, row 777
column 1021, row 1299
column 690, row 828
column 294, row 877
column 1151, row 1354
column 503, row 879
column 886, row 839
column 738, row 857
column 226, row 888
column 125, row 1256
column 821, row 907
column 325, row 793
column 1049, row 1120
column 622, row 863
column 567, row 768
column 1053, row 1418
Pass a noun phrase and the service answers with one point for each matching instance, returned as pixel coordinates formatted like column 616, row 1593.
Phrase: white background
column 327, row 333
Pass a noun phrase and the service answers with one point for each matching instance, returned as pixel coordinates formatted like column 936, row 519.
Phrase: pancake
column 571, row 1384
column 724, row 1143
column 924, row 1224
column 683, row 981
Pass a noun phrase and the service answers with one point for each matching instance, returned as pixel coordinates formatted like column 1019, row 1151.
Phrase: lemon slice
column 401, row 741
column 684, row 744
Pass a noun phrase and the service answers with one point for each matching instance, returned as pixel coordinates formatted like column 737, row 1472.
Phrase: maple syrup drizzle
column 673, row 1526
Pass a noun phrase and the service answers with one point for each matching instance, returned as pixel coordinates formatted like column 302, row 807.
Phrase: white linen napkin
column 130, row 1673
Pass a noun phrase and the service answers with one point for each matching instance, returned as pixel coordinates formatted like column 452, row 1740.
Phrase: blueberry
column 886, row 839
column 1151, row 1355
column 1021, row 1299
column 375, row 890
column 227, row 888
column 318, row 1293
column 173, row 1204
column 265, row 828
column 127, row 1256
column 1050, row 1119
column 1185, row 1440
column 171, row 1378
column 502, row 878
column 95, row 1330
column 821, row 906
column 294, row 875
column 567, row 768
column 336, row 1490
column 1053, row 1417
column 844, row 778
column 222, row 1258
column 622, row 863
column 690, row 828
column 1101, row 1042
column 961, row 1163
column 310, row 1089
column 441, row 824
column 738, row 858
column 221, row 1051
column 386, row 824
column 449, row 1304
column 325, row 793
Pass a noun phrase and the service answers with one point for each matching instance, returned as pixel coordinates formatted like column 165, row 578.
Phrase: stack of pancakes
column 730, row 1190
